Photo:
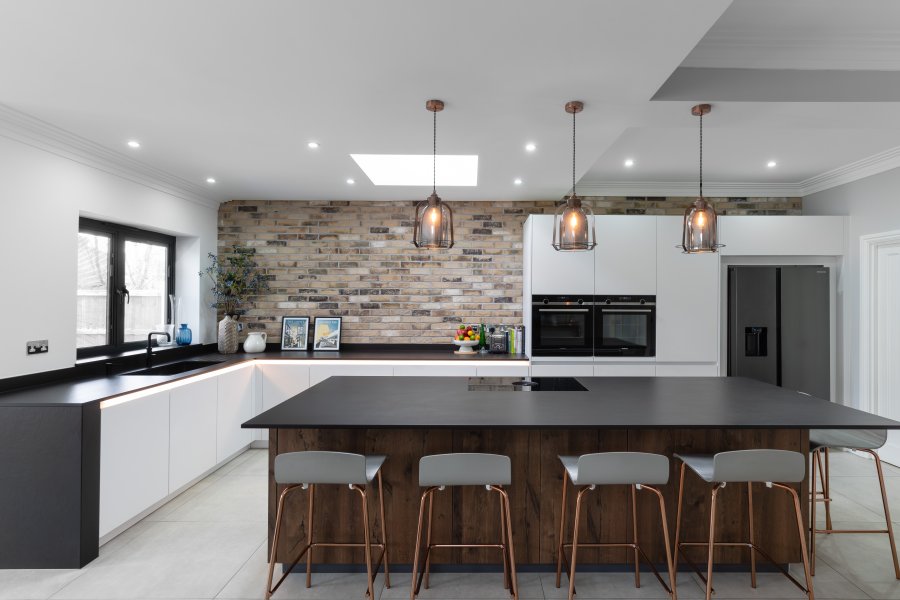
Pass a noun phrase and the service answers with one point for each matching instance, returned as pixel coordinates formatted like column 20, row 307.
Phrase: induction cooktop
column 519, row 384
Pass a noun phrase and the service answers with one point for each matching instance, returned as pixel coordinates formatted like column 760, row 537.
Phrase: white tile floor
column 209, row 542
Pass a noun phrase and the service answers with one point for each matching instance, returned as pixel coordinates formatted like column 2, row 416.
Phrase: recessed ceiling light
column 351, row 181
column 134, row 144
column 313, row 145
column 210, row 180
column 629, row 162
column 771, row 164
column 530, row 147
column 416, row 169
column 517, row 181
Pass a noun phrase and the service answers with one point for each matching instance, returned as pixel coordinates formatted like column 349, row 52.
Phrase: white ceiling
column 235, row 89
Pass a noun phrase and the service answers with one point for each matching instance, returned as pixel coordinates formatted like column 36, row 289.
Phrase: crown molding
column 688, row 188
column 39, row 134
column 866, row 167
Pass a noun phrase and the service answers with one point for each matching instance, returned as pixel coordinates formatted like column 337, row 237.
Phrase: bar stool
column 440, row 471
column 863, row 440
column 306, row 470
column 775, row 468
column 636, row 469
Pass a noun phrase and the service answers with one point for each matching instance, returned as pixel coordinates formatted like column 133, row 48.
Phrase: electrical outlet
column 37, row 347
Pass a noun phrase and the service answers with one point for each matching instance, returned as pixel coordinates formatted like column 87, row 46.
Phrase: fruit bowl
column 466, row 347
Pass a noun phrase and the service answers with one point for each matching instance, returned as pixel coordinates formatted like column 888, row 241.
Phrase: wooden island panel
column 472, row 514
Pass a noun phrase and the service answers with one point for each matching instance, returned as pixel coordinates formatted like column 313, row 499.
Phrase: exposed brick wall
column 355, row 259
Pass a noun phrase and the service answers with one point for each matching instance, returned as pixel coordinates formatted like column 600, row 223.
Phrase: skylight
column 416, row 169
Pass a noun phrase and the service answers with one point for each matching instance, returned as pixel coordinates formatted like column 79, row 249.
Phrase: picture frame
column 327, row 334
column 294, row 333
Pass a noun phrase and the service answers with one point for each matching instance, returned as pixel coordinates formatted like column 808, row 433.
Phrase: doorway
column 879, row 342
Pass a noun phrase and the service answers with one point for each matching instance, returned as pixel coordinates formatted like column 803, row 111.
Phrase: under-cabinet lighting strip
column 128, row 397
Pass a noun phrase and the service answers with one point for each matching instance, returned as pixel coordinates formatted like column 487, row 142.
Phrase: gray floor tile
column 255, row 463
column 462, row 586
column 26, row 584
column 250, row 582
column 617, row 585
column 170, row 560
column 227, row 499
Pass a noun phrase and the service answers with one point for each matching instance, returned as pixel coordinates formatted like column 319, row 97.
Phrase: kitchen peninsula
column 420, row 416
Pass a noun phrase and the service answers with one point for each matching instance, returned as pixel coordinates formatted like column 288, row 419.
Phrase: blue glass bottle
column 183, row 336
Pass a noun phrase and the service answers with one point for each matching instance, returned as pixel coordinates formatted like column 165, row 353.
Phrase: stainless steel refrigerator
column 778, row 326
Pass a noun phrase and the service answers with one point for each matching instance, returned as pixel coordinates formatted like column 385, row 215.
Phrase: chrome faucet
column 150, row 345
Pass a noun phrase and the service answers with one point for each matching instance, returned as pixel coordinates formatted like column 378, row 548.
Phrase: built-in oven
column 625, row 326
column 562, row 325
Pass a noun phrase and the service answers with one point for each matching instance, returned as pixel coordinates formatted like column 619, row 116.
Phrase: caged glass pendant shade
column 699, row 234
column 699, row 228
column 434, row 224
column 434, row 219
column 573, row 226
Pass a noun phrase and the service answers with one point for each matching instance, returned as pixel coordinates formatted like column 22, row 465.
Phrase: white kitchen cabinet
column 562, row 370
column 282, row 381
column 625, row 256
column 554, row 272
column 618, row 370
column 319, row 373
column 234, row 407
column 489, row 370
column 192, row 431
column 687, row 300
column 782, row 235
column 401, row 370
column 134, row 458
column 688, row 370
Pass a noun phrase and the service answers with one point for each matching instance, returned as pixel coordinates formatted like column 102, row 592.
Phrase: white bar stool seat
column 774, row 468
column 862, row 440
column 306, row 470
column 440, row 471
column 640, row 471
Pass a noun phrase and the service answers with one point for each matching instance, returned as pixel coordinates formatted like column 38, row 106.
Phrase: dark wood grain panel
column 472, row 514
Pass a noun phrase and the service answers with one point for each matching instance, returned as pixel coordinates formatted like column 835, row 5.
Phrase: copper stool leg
column 752, row 542
column 278, row 516
column 887, row 511
column 387, row 570
column 816, row 468
column 826, row 489
column 428, row 541
column 634, row 529
column 712, row 539
column 562, row 528
column 415, row 568
column 677, row 548
column 514, row 581
column 801, row 530
column 309, row 534
column 578, row 498
column 503, row 538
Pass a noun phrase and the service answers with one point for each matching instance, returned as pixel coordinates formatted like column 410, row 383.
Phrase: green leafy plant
column 235, row 277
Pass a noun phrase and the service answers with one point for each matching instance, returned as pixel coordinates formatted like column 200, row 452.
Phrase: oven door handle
column 626, row 310
column 564, row 310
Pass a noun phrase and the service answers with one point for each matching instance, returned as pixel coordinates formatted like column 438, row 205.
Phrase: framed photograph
column 327, row 333
column 294, row 333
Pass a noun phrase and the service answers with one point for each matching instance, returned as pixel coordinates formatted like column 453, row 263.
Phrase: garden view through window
column 124, row 279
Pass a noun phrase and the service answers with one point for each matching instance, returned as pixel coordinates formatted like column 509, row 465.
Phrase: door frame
column 868, row 314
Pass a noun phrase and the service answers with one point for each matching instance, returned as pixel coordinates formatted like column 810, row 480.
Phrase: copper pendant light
column 434, row 219
column 699, row 232
column 573, row 224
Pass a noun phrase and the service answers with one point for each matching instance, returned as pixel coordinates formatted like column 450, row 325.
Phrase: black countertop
column 83, row 391
column 608, row 403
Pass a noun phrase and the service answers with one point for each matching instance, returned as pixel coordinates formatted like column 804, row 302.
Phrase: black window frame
column 119, row 234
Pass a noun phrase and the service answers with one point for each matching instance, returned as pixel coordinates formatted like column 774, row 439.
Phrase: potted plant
column 235, row 277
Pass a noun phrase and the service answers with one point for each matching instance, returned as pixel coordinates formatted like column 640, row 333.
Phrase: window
column 124, row 278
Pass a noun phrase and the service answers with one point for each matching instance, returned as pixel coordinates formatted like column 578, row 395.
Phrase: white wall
column 873, row 205
column 42, row 196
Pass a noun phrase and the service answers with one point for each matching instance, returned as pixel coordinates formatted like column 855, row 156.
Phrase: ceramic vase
column 228, row 335
column 255, row 342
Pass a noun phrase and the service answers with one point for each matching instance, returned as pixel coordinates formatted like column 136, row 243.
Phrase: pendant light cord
column 573, row 154
column 434, row 154
column 701, row 153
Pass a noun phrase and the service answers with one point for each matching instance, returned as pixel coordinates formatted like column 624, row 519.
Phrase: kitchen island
column 417, row 416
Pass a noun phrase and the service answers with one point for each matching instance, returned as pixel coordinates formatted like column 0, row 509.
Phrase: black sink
column 175, row 368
